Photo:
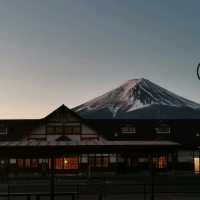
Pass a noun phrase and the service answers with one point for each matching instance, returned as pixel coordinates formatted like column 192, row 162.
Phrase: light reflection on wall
column 196, row 165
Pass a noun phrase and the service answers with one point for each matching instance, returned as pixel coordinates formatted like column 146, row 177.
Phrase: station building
column 67, row 143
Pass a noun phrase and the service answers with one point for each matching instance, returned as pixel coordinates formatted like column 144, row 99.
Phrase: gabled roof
column 63, row 107
column 63, row 138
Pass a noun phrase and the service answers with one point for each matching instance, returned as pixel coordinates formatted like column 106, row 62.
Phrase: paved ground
column 124, row 187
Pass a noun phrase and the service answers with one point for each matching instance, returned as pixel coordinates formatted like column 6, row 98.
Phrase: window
column 12, row 161
column 20, row 163
column 163, row 129
column 68, row 130
column 76, row 130
column 67, row 163
column 196, row 161
column 50, row 130
column 84, row 158
column 128, row 129
column 3, row 130
column 59, row 129
column 71, row 162
column 59, row 163
column 34, row 163
column 105, row 161
column 27, row 163
column 160, row 162
column 99, row 161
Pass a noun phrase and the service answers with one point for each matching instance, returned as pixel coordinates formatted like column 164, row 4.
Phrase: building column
column 7, row 175
column 152, row 178
column 174, row 161
column 89, row 166
column 52, row 178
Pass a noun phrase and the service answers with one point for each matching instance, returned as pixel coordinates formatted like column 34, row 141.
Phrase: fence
column 187, row 188
column 38, row 196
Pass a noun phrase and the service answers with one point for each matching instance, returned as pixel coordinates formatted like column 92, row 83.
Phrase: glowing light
column 66, row 161
column 196, row 165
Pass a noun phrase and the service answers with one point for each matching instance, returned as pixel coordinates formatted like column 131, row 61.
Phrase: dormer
column 163, row 129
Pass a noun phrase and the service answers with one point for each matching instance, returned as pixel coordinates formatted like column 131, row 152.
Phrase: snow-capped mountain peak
column 131, row 96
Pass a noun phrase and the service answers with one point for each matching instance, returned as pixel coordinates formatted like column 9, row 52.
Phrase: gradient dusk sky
column 55, row 52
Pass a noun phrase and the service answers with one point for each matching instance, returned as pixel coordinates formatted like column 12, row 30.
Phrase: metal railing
column 37, row 196
column 104, row 188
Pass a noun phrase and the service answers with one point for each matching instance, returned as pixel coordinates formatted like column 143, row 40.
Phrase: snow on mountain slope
column 133, row 95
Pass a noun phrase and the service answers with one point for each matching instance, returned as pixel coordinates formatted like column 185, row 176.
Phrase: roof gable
column 62, row 114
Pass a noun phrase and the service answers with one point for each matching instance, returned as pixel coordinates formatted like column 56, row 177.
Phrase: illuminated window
column 27, row 163
column 66, row 163
column 160, row 162
column 196, row 160
column 196, row 165
column 12, row 161
column 20, row 163
column 59, row 163
column 71, row 162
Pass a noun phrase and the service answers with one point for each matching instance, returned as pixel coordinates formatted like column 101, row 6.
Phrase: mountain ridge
column 134, row 95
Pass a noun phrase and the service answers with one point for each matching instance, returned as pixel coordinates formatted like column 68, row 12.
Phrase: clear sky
column 69, row 51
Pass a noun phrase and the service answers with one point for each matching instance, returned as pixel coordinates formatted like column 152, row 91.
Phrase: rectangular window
column 160, row 162
column 34, row 163
column 128, row 129
column 59, row 129
column 12, row 161
column 163, row 129
column 20, row 163
column 105, row 162
column 76, row 130
column 84, row 158
column 72, row 130
column 92, row 161
column 196, row 161
column 99, row 161
column 68, row 130
column 50, row 130
column 59, row 163
column 3, row 130
column 27, row 163
column 71, row 162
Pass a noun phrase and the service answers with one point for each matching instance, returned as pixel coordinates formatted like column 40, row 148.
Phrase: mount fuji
column 139, row 99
